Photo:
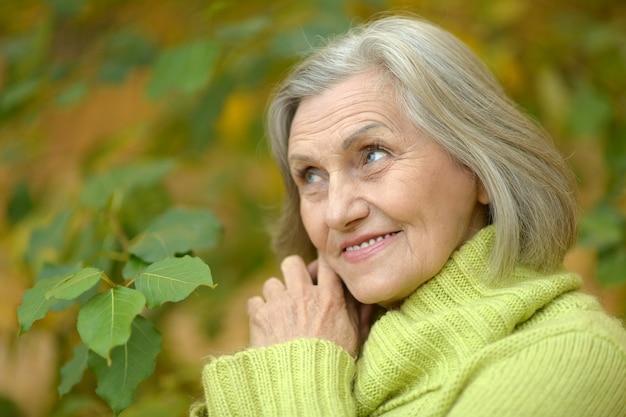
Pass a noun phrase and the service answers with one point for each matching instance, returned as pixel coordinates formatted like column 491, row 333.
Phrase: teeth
column 367, row 243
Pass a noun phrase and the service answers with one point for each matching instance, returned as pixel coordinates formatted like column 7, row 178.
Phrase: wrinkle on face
column 413, row 189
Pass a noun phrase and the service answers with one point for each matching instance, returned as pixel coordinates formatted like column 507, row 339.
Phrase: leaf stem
column 108, row 280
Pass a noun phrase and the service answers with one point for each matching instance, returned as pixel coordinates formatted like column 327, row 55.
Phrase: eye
column 374, row 153
column 307, row 176
column 310, row 176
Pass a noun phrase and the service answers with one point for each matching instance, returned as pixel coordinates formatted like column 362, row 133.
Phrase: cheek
column 313, row 221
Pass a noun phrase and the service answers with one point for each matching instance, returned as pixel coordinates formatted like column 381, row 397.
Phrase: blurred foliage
column 95, row 86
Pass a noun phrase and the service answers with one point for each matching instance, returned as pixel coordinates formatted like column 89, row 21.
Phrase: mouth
column 369, row 242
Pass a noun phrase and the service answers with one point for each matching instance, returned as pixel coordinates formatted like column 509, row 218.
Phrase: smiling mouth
column 369, row 242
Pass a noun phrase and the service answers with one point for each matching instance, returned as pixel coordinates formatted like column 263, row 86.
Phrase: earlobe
column 481, row 193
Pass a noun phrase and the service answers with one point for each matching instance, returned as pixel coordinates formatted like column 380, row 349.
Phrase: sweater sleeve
column 302, row 377
column 572, row 374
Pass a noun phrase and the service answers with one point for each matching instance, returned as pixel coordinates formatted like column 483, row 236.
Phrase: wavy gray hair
column 452, row 97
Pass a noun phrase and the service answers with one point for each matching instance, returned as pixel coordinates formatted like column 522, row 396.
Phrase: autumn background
column 87, row 87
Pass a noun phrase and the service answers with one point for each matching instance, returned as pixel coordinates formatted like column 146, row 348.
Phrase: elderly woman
column 415, row 185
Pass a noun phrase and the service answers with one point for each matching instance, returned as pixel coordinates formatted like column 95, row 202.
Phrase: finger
column 254, row 303
column 327, row 277
column 254, row 321
column 312, row 268
column 273, row 287
column 295, row 273
column 353, row 307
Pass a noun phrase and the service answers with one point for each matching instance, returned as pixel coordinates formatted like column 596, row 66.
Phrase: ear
column 481, row 193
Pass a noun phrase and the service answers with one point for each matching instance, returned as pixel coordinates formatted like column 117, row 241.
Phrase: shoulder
column 569, row 358
column 570, row 329
column 574, row 372
column 573, row 315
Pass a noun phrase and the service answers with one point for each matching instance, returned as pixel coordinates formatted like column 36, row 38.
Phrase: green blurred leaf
column 590, row 112
column 208, row 109
column 35, row 304
column 177, row 231
column 72, row 94
column 105, row 320
column 66, row 9
column 17, row 94
column 8, row 408
column 76, row 284
column 142, row 206
column 72, row 371
column 99, row 188
column 133, row 267
column 291, row 43
column 602, row 228
column 50, row 239
column 130, row 364
column 20, row 203
column 123, row 51
column 245, row 30
column 185, row 69
column 163, row 403
column 173, row 279
column 612, row 267
column 554, row 98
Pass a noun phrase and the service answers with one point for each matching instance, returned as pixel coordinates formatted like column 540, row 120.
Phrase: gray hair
column 451, row 96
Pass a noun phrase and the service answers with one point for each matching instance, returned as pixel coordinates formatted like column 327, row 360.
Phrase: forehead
column 349, row 105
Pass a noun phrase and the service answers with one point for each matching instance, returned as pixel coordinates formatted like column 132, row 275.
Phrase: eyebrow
column 347, row 142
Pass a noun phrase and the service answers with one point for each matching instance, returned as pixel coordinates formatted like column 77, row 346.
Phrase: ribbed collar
column 447, row 319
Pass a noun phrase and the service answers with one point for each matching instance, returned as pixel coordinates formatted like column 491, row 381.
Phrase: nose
column 346, row 204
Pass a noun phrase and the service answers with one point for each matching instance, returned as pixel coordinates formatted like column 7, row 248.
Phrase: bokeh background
column 87, row 86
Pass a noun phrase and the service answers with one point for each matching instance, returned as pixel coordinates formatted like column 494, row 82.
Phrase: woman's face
column 384, row 204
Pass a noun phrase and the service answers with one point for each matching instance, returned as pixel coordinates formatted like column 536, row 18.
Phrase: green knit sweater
column 530, row 345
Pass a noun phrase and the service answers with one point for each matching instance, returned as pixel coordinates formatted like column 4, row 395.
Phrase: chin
column 374, row 297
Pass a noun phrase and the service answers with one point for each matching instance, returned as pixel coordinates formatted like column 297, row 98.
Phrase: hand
column 299, row 307
column 365, row 312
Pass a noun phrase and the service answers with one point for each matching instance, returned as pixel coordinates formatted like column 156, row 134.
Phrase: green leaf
column 58, row 270
column 104, row 321
column 76, row 284
column 99, row 188
column 141, row 208
column 46, row 241
column 164, row 402
column 35, row 304
column 130, row 364
column 72, row 371
column 134, row 267
column 173, row 279
column 185, row 69
column 177, row 231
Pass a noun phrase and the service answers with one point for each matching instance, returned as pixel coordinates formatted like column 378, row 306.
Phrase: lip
column 351, row 253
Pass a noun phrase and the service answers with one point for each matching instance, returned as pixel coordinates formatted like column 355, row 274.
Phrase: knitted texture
column 303, row 377
column 461, row 345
